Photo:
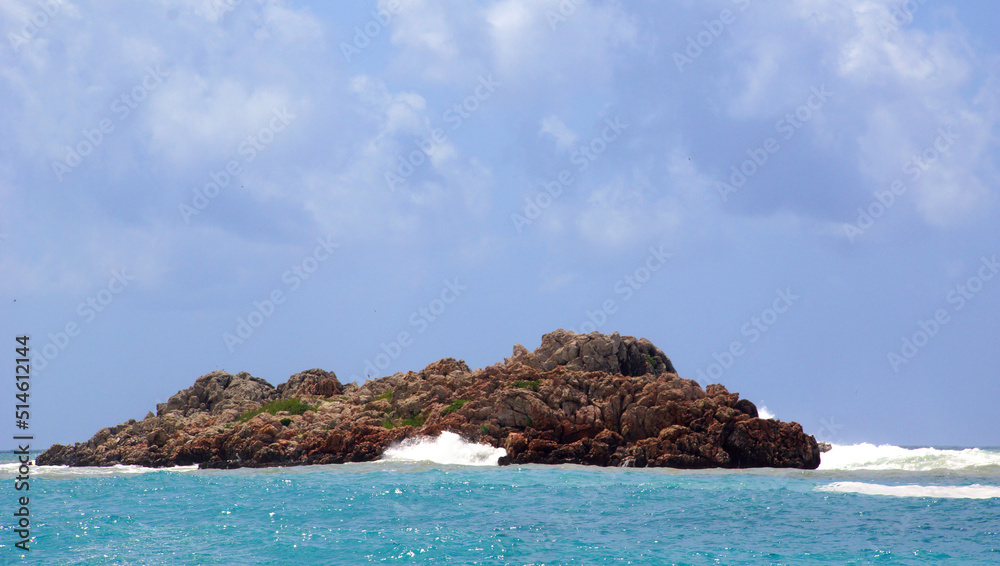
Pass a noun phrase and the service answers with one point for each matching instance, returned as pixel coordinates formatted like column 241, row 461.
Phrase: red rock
column 592, row 399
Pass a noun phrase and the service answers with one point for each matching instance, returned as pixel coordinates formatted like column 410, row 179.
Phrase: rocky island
column 596, row 399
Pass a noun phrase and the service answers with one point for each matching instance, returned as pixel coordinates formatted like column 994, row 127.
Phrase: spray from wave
column 763, row 413
column 887, row 457
column 447, row 448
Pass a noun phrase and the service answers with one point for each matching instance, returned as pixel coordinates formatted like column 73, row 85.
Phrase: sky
column 796, row 198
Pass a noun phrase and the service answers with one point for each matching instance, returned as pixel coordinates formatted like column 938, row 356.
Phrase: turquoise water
column 406, row 513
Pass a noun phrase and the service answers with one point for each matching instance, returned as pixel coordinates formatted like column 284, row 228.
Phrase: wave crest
column 974, row 491
column 10, row 470
column 888, row 457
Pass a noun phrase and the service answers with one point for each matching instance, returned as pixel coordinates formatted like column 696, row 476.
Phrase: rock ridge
column 596, row 399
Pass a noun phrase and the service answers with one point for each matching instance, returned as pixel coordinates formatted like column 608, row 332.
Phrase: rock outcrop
column 215, row 392
column 594, row 352
column 604, row 400
column 310, row 382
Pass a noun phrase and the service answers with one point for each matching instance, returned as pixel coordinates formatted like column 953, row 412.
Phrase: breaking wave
column 10, row 470
column 888, row 457
column 447, row 448
column 974, row 491
column 920, row 462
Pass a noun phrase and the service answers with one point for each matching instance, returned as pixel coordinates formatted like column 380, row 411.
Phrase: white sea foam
column 888, row 457
column 974, row 491
column 763, row 413
column 447, row 448
column 8, row 471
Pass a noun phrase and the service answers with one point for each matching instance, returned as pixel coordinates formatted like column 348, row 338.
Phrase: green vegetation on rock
column 293, row 406
column 454, row 406
column 414, row 421
column 417, row 421
column 532, row 385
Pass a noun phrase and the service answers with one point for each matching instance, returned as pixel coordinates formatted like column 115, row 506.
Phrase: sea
column 446, row 501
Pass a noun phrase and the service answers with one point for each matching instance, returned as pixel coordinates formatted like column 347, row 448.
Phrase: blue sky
column 796, row 199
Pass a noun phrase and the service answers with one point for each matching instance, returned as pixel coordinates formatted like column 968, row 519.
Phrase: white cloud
column 435, row 180
column 564, row 136
column 290, row 26
column 193, row 116
column 437, row 41
column 401, row 113
column 759, row 77
column 893, row 92
column 583, row 49
column 894, row 87
column 626, row 212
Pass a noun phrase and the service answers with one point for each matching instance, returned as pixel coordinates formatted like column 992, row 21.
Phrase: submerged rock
column 605, row 400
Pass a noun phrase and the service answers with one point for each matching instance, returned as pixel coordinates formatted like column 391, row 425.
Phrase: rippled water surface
column 875, row 506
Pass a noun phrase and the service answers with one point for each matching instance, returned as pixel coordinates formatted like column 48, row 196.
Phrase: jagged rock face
column 447, row 366
column 594, row 399
column 218, row 391
column 750, row 443
column 595, row 352
column 311, row 382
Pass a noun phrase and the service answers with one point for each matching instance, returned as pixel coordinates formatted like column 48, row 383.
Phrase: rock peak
column 609, row 353
column 217, row 391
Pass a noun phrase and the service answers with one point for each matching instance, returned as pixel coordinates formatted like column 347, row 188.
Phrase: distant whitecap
column 974, row 491
column 10, row 470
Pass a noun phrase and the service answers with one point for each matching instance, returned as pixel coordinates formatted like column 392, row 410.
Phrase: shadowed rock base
column 603, row 400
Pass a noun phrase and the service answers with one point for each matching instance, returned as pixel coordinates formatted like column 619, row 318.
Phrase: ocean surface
column 446, row 501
